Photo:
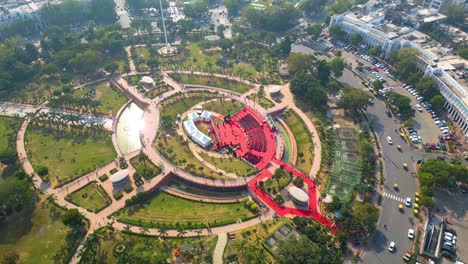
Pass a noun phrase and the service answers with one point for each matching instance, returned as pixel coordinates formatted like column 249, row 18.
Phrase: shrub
column 128, row 189
column 254, row 207
column 245, row 200
column 42, row 170
column 298, row 182
column 249, row 203
column 103, row 178
column 279, row 199
column 113, row 171
column 118, row 195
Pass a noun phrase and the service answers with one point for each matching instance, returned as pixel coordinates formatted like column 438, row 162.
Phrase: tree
column 337, row 33
column 337, row 66
column 377, row 84
column 355, row 39
column 401, row 102
column 323, row 72
column 196, row 9
column 226, row 44
column 299, row 62
column 455, row 14
column 366, row 214
column 42, row 171
column 10, row 258
column 427, row 87
column 153, row 63
column 87, row 61
column 335, row 204
column 375, row 51
column 405, row 61
column 285, row 47
column 312, row 5
column 185, row 25
column 103, row 11
column 111, row 67
column 315, row 30
column 463, row 53
column 72, row 218
column 354, row 99
column 233, row 7
column 426, row 179
column 297, row 251
column 304, row 86
column 437, row 102
column 276, row 18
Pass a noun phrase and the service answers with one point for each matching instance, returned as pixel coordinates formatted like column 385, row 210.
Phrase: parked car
column 410, row 233
column 391, row 247
column 418, row 107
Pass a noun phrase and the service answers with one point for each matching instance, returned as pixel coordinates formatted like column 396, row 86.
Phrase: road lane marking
column 393, row 197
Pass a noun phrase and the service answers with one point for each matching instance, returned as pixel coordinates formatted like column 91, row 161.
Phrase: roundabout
column 243, row 137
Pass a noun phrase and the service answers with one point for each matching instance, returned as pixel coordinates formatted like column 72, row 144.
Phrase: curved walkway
column 151, row 117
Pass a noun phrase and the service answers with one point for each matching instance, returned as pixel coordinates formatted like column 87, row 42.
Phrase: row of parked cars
column 449, row 247
column 378, row 65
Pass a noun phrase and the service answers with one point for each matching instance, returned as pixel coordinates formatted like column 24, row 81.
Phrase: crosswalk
column 393, row 197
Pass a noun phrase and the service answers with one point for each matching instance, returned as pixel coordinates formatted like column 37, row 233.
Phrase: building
column 434, row 60
column 195, row 135
column 298, row 196
column 442, row 4
column 120, row 178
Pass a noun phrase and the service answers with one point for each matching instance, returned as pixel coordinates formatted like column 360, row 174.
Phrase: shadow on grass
column 16, row 225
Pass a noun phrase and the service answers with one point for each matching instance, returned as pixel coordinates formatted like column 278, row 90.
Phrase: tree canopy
column 354, row 99
column 337, row 66
column 401, row 102
column 196, row 9
column 276, row 18
column 405, row 61
column 306, row 87
column 300, row 62
column 455, row 14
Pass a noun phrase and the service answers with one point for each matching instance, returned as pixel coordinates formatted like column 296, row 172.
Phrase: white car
column 410, row 233
column 418, row 107
column 389, row 140
column 408, row 202
column 391, row 247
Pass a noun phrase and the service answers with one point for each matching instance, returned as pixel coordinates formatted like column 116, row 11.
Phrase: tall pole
column 164, row 24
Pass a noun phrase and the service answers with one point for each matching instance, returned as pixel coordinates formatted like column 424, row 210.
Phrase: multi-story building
column 433, row 60
column 442, row 4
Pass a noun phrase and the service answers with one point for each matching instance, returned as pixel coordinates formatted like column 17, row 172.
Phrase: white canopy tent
column 197, row 136
column 206, row 116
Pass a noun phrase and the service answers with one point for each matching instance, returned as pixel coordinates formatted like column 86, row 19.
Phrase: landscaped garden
column 144, row 168
column 223, row 83
column 234, row 165
column 91, row 197
column 171, row 211
column 303, row 137
column 280, row 179
column 117, row 245
column 36, row 234
column 262, row 101
column 110, row 99
column 171, row 145
column 223, row 106
column 67, row 155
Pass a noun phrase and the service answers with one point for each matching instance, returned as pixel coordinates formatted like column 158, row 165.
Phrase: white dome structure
column 147, row 81
column 119, row 178
column 298, row 196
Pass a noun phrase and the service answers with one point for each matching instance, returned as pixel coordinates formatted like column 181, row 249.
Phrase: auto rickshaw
column 400, row 208
column 416, row 199
column 405, row 166
column 402, row 135
column 416, row 206
column 416, row 194
column 398, row 147
column 395, row 186
column 416, row 212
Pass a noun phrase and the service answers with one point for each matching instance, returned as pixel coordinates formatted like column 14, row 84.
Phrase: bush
column 298, row 182
column 42, row 171
column 279, row 199
column 128, row 189
column 254, row 208
column 103, row 178
column 244, row 200
column 113, row 171
column 118, row 195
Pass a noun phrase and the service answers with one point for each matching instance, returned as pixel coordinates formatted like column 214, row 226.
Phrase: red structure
column 251, row 138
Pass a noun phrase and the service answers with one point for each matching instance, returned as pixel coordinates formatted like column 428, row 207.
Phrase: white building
column 441, row 4
column 194, row 134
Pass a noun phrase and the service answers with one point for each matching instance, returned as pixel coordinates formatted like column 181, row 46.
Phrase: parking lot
column 452, row 205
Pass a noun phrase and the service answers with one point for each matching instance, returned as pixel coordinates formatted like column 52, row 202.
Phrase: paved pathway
column 219, row 250
column 151, row 118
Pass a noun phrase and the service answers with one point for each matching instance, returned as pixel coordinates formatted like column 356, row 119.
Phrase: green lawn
column 144, row 167
column 110, row 98
column 9, row 127
column 303, row 138
column 287, row 156
column 200, row 250
column 36, row 234
column 223, row 83
column 223, row 106
column 264, row 102
column 69, row 155
column 237, row 166
column 168, row 209
column 91, row 197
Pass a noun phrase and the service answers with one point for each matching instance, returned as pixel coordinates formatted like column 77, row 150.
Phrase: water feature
column 129, row 126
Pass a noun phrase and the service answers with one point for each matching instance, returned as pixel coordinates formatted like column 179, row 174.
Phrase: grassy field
column 223, row 106
column 67, row 156
column 237, row 166
column 262, row 101
column 248, row 241
column 223, row 83
column 9, row 127
column 110, row 97
column 287, row 156
column 91, row 197
column 36, row 234
column 303, row 138
column 196, row 191
column 34, row 92
column 200, row 249
column 168, row 209
column 144, row 166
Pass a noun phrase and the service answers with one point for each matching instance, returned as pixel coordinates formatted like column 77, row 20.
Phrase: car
column 410, row 233
column 463, row 189
column 448, row 249
column 418, row 107
column 449, row 137
column 408, row 202
column 407, row 257
column 448, row 255
column 389, row 140
column 451, row 230
column 449, row 244
column 391, row 247
column 449, row 239
column 448, row 233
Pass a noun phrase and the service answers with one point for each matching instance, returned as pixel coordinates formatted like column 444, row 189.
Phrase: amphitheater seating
column 248, row 122
column 254, row 159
